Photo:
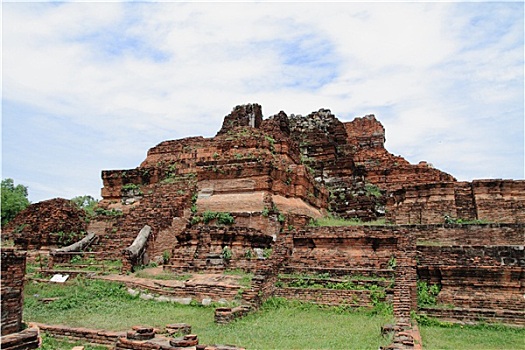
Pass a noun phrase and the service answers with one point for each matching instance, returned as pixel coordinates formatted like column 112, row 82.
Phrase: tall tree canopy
column 87, row 203
column 14, row 199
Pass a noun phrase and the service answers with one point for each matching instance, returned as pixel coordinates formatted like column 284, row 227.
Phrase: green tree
column 87, row 203
column 14, row 200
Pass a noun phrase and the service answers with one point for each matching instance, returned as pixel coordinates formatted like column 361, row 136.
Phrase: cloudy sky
column 92, row 86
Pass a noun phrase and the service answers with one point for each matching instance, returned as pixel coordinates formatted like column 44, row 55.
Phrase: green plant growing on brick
column 271, row 140
column 392, row 263
column 166, row 256
column 196, row 219
column 193, row 208
column 265, row 212
column 108, row 212
column 451, row 220
column 76, row 259
column 222, row 217
column 248, row 254
column 227, row 253
column 130, row 187
column 225, row 219
column 208, row 216
column 372, row 190
column 427, row 294
column 65, row 238
column 267, row 253
column 313, row 222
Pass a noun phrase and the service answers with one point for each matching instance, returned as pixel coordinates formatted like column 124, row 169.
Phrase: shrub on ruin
column 225, row 219
column 427, row 294
column 208, row 216
column 372, row 190
column 227, row 253
column 166, row 256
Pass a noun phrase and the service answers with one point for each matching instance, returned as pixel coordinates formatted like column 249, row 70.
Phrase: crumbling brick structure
column 54, row 222
column 351, row 160
column 479, row 268
column 485, row 200
column 252, row 170
column 270, row 177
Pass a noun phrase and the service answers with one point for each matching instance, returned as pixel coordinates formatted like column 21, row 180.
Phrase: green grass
column 278, row 325
column 50, row 343
column 456, row 337
column 331, row 221
column 296, row 326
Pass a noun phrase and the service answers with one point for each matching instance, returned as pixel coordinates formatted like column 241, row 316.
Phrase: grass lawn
column 50, row 343
column 278, row 325
column 487, row 337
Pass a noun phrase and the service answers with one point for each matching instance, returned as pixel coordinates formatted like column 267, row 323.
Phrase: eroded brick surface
column 54, row 222
column 13, row 272
column 487, row 200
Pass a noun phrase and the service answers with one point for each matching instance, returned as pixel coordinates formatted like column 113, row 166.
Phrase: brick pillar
column 12, row 288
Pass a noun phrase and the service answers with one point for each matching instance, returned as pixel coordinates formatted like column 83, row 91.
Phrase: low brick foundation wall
column 357, row 298
column 196, row 292
column 26, row 339
column 225, row 315
column 470, row 315
column 94, row 336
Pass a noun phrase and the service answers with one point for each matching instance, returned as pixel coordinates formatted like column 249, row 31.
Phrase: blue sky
column 91, row 86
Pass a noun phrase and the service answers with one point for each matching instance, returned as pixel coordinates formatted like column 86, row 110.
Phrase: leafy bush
column 372, row 191
column 427, row 294
column 106, row 212
column 225, row 219
column 208, row 216
column 451, row 220
column 166, row 256
column 14, row 200
column 222, row 218
column 227, row 253
column 130, row 187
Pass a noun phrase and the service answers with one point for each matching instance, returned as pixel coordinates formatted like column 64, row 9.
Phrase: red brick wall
column 356, row 298
column 13, row 272
column 477, row 267
column 479, row 234
column 488, row 200
column 344, row 247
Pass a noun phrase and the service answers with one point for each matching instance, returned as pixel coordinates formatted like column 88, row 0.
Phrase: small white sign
column 59, row 278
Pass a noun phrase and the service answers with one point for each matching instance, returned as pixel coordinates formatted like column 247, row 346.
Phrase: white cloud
column 135, row 74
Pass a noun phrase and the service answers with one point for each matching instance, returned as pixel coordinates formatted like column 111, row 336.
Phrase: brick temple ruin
column 254, row 190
